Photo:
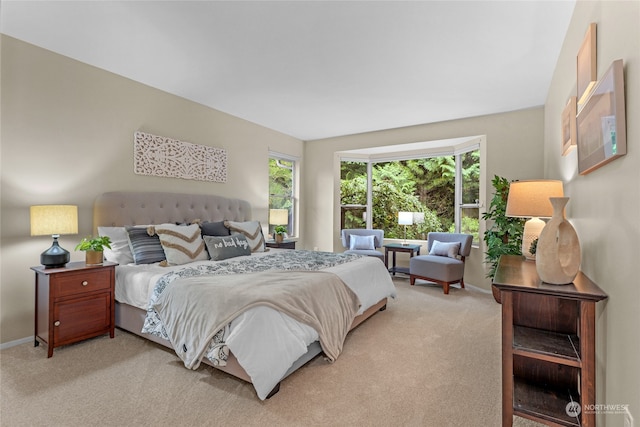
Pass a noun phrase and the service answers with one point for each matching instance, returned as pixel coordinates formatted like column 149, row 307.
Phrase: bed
column 262, row 344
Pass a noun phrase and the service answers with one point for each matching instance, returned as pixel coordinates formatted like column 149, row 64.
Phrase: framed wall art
column 161, row 156
column 587, row 73
column 601, row 123
column 569, row 126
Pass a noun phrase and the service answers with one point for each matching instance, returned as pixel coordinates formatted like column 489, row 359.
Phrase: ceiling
column 315, row 69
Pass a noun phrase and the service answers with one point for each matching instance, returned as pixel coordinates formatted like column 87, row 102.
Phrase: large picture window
column 442, row 192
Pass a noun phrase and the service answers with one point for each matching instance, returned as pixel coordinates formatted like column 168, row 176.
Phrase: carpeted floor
column 429, row 360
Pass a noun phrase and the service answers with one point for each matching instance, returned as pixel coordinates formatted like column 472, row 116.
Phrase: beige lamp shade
column 278, row 216
column 53, row 220
column 530, row 199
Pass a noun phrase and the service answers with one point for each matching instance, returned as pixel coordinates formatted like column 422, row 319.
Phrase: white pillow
column 449, row 249
column 181, row 243
column 357, row 242
column 252, row 230
column 120, row 251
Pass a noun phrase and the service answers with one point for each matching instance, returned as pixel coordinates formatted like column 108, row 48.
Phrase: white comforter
column 265, row 342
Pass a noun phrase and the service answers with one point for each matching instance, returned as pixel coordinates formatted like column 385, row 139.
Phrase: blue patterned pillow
column 145, row 249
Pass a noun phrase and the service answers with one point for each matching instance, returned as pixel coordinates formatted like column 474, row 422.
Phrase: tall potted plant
column 93, row 248
column 504, row 236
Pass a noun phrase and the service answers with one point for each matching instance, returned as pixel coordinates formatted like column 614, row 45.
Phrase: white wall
column 604, row 204
column 67, row 136
column 514, row 150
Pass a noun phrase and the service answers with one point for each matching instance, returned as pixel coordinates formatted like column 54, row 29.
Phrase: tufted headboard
column 117, row 209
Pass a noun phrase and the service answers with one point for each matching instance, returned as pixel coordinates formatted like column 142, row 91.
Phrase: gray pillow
column 223, row 247
column 145, row 249
column 449, row 249
column 214, row 229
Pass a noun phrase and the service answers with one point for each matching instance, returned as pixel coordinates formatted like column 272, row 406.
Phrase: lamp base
column 532, row 229
column 55, row 256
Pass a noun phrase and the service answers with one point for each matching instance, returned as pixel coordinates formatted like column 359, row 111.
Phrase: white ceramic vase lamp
column 558, row 252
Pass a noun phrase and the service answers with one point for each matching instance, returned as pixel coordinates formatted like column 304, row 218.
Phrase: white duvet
column 265, row 342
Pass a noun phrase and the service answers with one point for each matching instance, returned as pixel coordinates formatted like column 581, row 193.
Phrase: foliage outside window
column 282, row 189
column 424, row 185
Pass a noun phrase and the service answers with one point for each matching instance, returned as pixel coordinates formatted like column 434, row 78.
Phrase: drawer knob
column 85, row 283
column 57, row 323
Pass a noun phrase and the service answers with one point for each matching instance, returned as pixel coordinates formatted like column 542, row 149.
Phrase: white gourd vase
column 558, row 250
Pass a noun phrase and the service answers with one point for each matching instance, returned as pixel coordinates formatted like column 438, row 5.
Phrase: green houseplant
column 504, row 236
column 278, row 233
column 94, row 247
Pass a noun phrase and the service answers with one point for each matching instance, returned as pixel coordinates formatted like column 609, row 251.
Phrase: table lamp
column 530, row 199
column 54, row 220
column 405, row 218
column 278, row 217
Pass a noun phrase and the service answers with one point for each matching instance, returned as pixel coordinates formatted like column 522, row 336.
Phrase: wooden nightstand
column 74, row 303
column 286, row 244
column 548, row 346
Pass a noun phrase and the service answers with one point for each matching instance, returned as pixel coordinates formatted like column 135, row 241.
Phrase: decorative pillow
column 252, row 230
column 362, row 242
column 223, row 247
column 449, row 249
column 214, row 229
column 181, row 243
column 146, row 249
column 120, row 251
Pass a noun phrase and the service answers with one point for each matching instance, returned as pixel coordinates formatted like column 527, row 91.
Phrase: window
column 443, row 192
column 282, row 178
column 353, row 204
column 468, row 214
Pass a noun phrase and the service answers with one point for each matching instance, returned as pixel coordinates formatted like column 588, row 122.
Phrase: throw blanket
column 194, row 309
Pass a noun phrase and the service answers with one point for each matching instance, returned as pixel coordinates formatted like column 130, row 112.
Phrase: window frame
column 292, row 227
column 395, row 153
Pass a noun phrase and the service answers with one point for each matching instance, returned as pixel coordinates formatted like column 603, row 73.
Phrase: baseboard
column 16, row 342
column 476, row 288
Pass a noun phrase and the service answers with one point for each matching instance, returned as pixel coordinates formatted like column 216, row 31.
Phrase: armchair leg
column 445, row 287
column 462, row 283
column 412, row 280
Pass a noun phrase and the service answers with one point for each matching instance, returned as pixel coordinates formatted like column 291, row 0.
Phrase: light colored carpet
column 428, row 360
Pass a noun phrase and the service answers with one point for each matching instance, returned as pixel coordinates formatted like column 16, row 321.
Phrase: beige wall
column 514, row 135
column 67, row 136
column 604, row 204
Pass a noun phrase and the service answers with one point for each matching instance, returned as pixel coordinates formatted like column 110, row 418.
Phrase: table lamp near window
column 405, row 218
column 278, row 217
column 54, row 220
column 530, row 199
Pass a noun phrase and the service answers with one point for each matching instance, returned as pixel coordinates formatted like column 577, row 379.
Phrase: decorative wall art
column 602, row 135
column 160, row 156
column 569, row 126
column 586, row 65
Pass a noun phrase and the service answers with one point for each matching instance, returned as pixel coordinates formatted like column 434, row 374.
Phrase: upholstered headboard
column 117, row 209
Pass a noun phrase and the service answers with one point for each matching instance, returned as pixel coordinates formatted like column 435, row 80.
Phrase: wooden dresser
column 548, row 346
column 73, row 303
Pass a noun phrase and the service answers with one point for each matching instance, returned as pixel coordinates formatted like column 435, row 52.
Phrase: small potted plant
column 93, row 247
column 278, row 233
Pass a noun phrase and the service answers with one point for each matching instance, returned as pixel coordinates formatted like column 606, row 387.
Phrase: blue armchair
column 363, row 241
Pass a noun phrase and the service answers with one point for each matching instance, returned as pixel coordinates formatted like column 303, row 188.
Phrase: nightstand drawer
column 72, row 284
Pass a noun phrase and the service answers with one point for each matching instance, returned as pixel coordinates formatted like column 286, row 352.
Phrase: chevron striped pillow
column 252, row 230
column 181, row 243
